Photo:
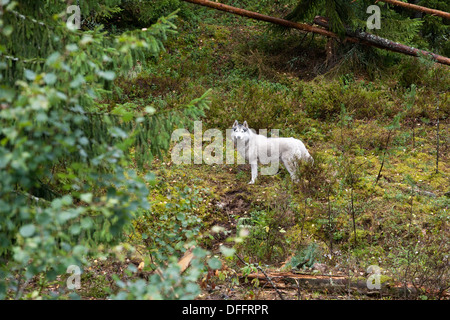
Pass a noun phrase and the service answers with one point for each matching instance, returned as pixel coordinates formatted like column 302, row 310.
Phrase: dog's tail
column 303, row 153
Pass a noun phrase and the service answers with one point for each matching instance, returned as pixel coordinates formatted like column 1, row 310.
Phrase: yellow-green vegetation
column 352, row 123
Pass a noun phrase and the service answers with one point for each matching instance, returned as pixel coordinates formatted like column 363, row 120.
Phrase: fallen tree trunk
column 368, row 39
column 290, row 280
column 382, row 43
column 415, row 7
column 326, row 283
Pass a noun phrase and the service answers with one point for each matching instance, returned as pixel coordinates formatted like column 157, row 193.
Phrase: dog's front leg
column 254, row 172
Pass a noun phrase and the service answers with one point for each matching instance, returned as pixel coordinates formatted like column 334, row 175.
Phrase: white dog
column 255, row 147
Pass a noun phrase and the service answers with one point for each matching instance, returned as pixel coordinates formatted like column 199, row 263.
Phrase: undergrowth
column 374, row 195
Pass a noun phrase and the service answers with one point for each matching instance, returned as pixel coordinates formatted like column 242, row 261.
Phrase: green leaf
column 214, row 263
column 75, row 229
column 7, row 94
column 30, row 75
column 53, row 58
column 86, row 197
column 41, row 117
column 227, row 252
column 87, row 223
column 50, row 78
column 77, row 82
column 21, row 255
column 27, row 230
column 79, row 250
column 7, row 30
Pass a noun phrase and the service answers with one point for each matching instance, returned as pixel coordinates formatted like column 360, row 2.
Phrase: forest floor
column 227, row 198
column 372, row 198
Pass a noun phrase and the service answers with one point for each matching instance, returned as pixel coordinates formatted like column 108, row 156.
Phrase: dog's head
column 240, row 131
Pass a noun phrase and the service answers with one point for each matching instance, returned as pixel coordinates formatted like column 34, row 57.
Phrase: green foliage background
column 67, row 189
column 85, row 124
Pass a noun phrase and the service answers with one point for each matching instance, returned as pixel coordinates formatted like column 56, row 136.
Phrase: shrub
column 361, row 99
column 67, row 189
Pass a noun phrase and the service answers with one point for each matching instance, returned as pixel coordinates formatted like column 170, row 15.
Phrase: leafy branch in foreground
column 67, row 192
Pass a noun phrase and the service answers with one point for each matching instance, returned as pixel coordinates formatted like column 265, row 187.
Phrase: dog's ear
column 235, row 124
column 245, row 124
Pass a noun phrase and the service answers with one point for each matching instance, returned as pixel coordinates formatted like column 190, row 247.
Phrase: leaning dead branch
column 415, row 7
column 382, row 43
column 263, row 17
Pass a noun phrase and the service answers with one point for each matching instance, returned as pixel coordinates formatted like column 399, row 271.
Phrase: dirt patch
column 236, row 202
column 232, row 205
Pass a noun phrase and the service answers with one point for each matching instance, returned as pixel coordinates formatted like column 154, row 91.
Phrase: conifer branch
column 24, row 17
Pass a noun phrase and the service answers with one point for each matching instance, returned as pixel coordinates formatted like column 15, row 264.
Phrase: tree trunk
column 357, row 37
column 327, row 283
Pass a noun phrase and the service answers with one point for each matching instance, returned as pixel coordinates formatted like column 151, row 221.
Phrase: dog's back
column 295, row 147
column 258, row 148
